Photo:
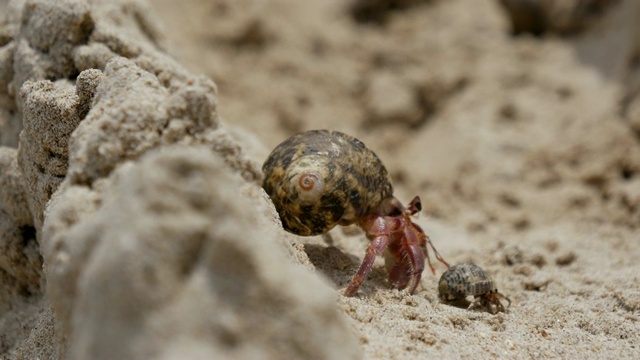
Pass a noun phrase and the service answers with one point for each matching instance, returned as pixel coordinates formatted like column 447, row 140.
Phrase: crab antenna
column 426, row 241
column 435, row 252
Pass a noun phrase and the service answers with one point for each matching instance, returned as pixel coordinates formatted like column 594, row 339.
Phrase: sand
column 133, row 224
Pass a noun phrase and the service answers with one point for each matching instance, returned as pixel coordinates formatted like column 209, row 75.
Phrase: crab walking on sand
column 319, row 179
column 465, row 280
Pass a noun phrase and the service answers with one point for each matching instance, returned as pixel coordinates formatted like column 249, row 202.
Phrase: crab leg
column 375, row 248
column 435, row 252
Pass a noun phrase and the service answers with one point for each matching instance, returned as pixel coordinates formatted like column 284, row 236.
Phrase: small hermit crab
column 319, row 179
column 464, row 280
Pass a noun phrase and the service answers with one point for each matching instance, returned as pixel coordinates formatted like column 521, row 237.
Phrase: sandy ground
column 525, row 151
column 520, row 147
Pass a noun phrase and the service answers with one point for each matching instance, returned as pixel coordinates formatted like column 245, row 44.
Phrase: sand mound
column 171, row 254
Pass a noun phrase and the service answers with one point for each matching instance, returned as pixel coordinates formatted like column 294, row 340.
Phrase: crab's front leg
column 379, row 231
column 491, row 300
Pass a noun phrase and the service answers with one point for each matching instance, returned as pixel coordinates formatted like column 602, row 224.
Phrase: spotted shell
column 464, row 280
column 319, row 179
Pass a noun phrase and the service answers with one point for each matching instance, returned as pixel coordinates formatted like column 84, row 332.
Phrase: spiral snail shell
column 319, row 179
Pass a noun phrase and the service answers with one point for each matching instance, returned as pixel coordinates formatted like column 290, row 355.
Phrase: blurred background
column 498, row 113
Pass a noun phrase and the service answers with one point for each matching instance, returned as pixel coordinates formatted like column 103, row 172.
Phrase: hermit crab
column 467, row 279
column 319, row 179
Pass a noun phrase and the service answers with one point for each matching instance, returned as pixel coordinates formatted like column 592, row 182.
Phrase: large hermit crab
column 319, row 179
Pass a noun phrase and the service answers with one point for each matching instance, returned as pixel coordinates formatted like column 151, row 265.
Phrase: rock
column 50, row 113
column 178, row 267
column 48, row 34
column 20, row 261
column 21, row 278
column 142, row 208
column 13, row 199
column 149, row 114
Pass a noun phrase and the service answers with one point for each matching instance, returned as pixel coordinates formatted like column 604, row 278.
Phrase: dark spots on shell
column 480, row 287
column 357, row 145
column 286, row 202
column 294, row 226
column 268, row 165
column 354, row 199
column 310, row 149
column 331, row 172
column 307, row 209
column 313, row 220
column 267, row 187
column 287, row 157
column 396, row 211
column 310, row 221
column 332, row 204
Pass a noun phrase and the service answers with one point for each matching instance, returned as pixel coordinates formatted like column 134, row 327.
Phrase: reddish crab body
column 394, row 231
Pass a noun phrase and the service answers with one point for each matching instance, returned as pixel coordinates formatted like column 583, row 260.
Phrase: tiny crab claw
column 491, row 301
column 391, row 228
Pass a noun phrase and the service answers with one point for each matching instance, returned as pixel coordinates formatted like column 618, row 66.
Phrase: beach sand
column 132, row 136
